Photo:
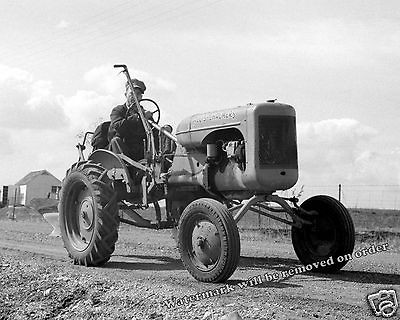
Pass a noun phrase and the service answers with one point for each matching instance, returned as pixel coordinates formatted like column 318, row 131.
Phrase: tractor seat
column 100, row 136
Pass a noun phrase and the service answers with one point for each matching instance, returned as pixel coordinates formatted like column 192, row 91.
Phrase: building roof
column 32, row 175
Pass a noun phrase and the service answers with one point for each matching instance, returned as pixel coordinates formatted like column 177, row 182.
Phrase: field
column 370, row 225
column 364, row 220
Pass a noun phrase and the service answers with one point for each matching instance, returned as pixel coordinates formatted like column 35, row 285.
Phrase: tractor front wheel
column 330, row 236
column 209, row 242
column 88, row 214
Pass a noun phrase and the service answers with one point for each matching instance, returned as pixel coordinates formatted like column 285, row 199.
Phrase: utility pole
column 340, row 192
column 15, row 200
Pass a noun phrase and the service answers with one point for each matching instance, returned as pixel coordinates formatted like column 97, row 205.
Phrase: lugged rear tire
column 88, row 214
column 331, row 234
column 209, row 241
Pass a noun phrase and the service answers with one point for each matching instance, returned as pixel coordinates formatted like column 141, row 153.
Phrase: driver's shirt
column 126, row 124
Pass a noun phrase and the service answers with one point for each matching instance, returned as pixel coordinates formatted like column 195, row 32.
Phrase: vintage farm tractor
column 216, row 168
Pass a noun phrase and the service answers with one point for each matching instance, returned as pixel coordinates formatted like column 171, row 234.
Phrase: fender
column 116, row 168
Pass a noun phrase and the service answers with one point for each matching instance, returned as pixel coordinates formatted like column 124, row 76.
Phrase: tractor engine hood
column 192, row 132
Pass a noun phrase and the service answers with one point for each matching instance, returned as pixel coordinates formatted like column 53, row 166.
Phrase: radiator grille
column 277, row 146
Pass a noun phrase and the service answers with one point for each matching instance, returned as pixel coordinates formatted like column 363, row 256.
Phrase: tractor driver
column 126, row 132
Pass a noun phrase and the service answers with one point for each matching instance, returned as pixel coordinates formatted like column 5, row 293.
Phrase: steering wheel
column 150, row 105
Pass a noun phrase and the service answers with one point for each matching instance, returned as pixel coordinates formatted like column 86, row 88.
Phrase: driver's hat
column 137, row 84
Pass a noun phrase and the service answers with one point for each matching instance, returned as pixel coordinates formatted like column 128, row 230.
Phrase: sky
column 336, row 62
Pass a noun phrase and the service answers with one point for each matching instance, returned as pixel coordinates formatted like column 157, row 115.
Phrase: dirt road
column 146, row 280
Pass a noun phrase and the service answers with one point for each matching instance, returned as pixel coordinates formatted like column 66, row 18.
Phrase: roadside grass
column 20, row 213
column 371, row 226
column 376, row 219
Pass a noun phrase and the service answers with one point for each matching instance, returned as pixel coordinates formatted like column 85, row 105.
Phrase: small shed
column 36, row 184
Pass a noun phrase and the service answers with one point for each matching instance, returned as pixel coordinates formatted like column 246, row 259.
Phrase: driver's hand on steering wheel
column 148, row 115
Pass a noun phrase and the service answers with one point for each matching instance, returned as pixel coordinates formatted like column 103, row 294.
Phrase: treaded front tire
column 88, row 214
column 330, row 235
column 209, row 242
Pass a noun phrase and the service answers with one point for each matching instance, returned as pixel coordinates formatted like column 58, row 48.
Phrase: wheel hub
column 206, row 243
column 86, row 214
column 322, row 236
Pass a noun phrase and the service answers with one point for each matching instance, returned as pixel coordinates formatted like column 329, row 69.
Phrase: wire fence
column 380, row 206
column 353, row 196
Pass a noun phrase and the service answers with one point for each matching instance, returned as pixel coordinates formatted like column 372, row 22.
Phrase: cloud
column 377, row 168
column 335, row 132
column 345, row 151
column 85, row 109
column 154, row 82
column 160, row 83
column 40, row 92
column 329, row 149
column 26, row 102
column 39, row 127
column 105, row 90
column 6, row 145
column 35, row 150
column 14, row 75
column 32, row 104
column 63, row 24
column 106, row 79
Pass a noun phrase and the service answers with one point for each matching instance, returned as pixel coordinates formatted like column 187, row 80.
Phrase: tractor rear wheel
column 331, row 234
column 209, row 242
column 88, row 214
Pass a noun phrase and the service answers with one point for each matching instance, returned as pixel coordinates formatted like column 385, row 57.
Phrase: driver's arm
column 122, row 124
column 135, row 115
